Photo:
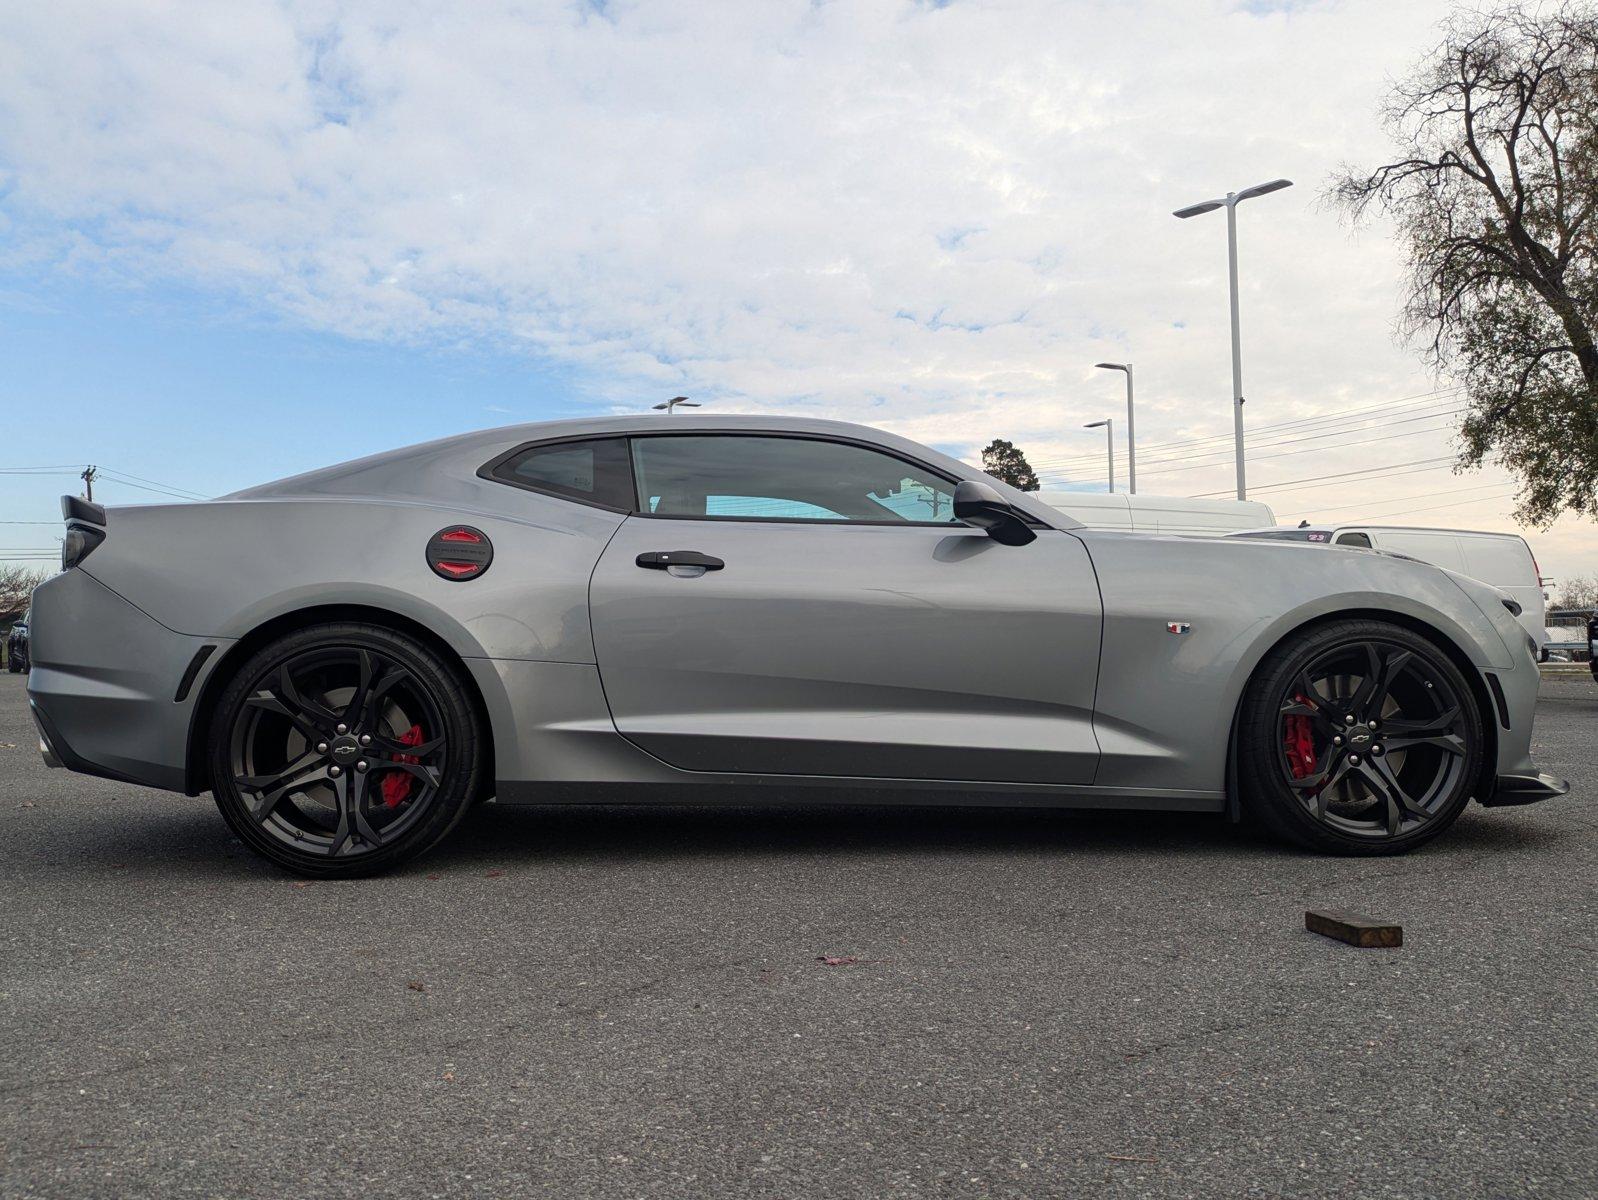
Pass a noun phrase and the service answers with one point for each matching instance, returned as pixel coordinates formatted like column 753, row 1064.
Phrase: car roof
column 1429, row 529
column 464, row 453
column 1280, row 529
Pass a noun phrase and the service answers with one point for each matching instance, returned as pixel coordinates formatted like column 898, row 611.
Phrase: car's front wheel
column 1358, row 737
column 344, row 749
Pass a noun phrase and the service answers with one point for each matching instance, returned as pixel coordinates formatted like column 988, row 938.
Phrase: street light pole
column 676, row 402
column 1230, row 203
column 1109, row 439
column 1131, row 428
column 1237, row 350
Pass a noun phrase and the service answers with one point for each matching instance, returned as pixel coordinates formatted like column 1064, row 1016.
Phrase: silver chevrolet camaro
column 745, row 610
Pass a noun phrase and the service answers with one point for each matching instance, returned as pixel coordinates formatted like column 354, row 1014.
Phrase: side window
column 1354, row 539
column 785, row 479
column 597, row 471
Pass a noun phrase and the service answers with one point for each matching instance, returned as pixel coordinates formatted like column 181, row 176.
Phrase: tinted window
column 1354, row 539
column 595, row 472
column 788, row 479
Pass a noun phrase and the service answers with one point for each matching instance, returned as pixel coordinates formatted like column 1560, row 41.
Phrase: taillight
column 79, row 544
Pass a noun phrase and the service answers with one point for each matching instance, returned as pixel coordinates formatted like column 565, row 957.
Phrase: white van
column 1159, row 514
column 1501, row 559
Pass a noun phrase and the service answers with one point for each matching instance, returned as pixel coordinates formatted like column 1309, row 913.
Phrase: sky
column 239, row 241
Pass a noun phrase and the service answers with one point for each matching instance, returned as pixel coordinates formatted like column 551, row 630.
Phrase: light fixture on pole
column 677, row 402
column 1131, row 439
column 1109, row 431
column 1230, row 203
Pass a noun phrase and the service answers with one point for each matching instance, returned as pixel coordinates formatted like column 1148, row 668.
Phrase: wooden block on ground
column 1354, row 929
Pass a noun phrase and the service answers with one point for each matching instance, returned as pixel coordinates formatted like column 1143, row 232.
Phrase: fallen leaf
column 304, row 883
column 416, row 985
column 432, row 876
column 27, row 804
column 829, row 961
column 495, row 874
column 449, row 1076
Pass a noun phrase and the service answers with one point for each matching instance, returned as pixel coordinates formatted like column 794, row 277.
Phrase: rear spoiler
column 76, row 508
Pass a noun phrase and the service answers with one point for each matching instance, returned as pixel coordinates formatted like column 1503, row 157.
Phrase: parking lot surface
column 630, row 1003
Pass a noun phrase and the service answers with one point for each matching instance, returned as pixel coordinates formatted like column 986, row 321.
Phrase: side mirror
column 978, row 505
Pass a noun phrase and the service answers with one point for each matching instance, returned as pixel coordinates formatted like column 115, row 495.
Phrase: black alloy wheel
column 342, row 750
column 1359, row 737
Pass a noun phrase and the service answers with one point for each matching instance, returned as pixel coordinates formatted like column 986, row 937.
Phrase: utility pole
column 88, row 477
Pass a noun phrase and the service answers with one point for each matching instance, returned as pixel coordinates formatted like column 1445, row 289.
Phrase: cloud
column 931, row 217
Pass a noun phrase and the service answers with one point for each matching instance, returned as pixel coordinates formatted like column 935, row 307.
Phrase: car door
column 806, row 606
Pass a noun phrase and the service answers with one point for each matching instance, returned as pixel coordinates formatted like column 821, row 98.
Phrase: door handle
column 661, row 560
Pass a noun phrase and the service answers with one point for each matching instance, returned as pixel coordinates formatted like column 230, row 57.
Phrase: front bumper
column 1514, row 790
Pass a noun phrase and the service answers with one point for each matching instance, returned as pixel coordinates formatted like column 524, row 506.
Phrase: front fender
column 1165, row 700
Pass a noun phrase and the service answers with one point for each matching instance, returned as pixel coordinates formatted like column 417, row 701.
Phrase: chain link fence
column 1567, row 633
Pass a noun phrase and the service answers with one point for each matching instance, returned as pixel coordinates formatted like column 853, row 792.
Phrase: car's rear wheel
column 343, row 750
column 1358, row 737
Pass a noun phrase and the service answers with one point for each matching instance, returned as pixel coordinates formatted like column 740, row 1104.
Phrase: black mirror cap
column 976, row 504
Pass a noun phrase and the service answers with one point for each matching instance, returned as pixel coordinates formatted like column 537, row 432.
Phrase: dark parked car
column 1592, row 645
column 17, row 644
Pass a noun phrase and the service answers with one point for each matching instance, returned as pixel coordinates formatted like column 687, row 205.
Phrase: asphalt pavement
column 631, row 1003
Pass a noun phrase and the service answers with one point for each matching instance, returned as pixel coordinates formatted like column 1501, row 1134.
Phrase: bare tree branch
column 1493, row 194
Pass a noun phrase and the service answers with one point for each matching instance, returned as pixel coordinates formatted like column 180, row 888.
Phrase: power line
column 1429, row 508
column 1371, row 412
column 1425, row 464
column 1399, row 499
column 171, row 489
column 1331, row 433
column 1380, row 437
column 1339, row 431
column 109, row 475
column 144, row 488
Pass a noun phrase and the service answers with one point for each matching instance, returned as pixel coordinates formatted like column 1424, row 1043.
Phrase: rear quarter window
column 593, row 471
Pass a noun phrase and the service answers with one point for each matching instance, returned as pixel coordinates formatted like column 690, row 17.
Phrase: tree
column 1494, row 197
column 1577, row 592
column 16, row 589
column 1004, row 462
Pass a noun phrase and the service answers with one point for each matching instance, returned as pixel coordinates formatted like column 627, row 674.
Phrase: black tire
column 1358, row 737
column 309, row 765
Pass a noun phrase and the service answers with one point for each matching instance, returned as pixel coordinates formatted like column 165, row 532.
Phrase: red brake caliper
column 397, row 784
column 1299, row 743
